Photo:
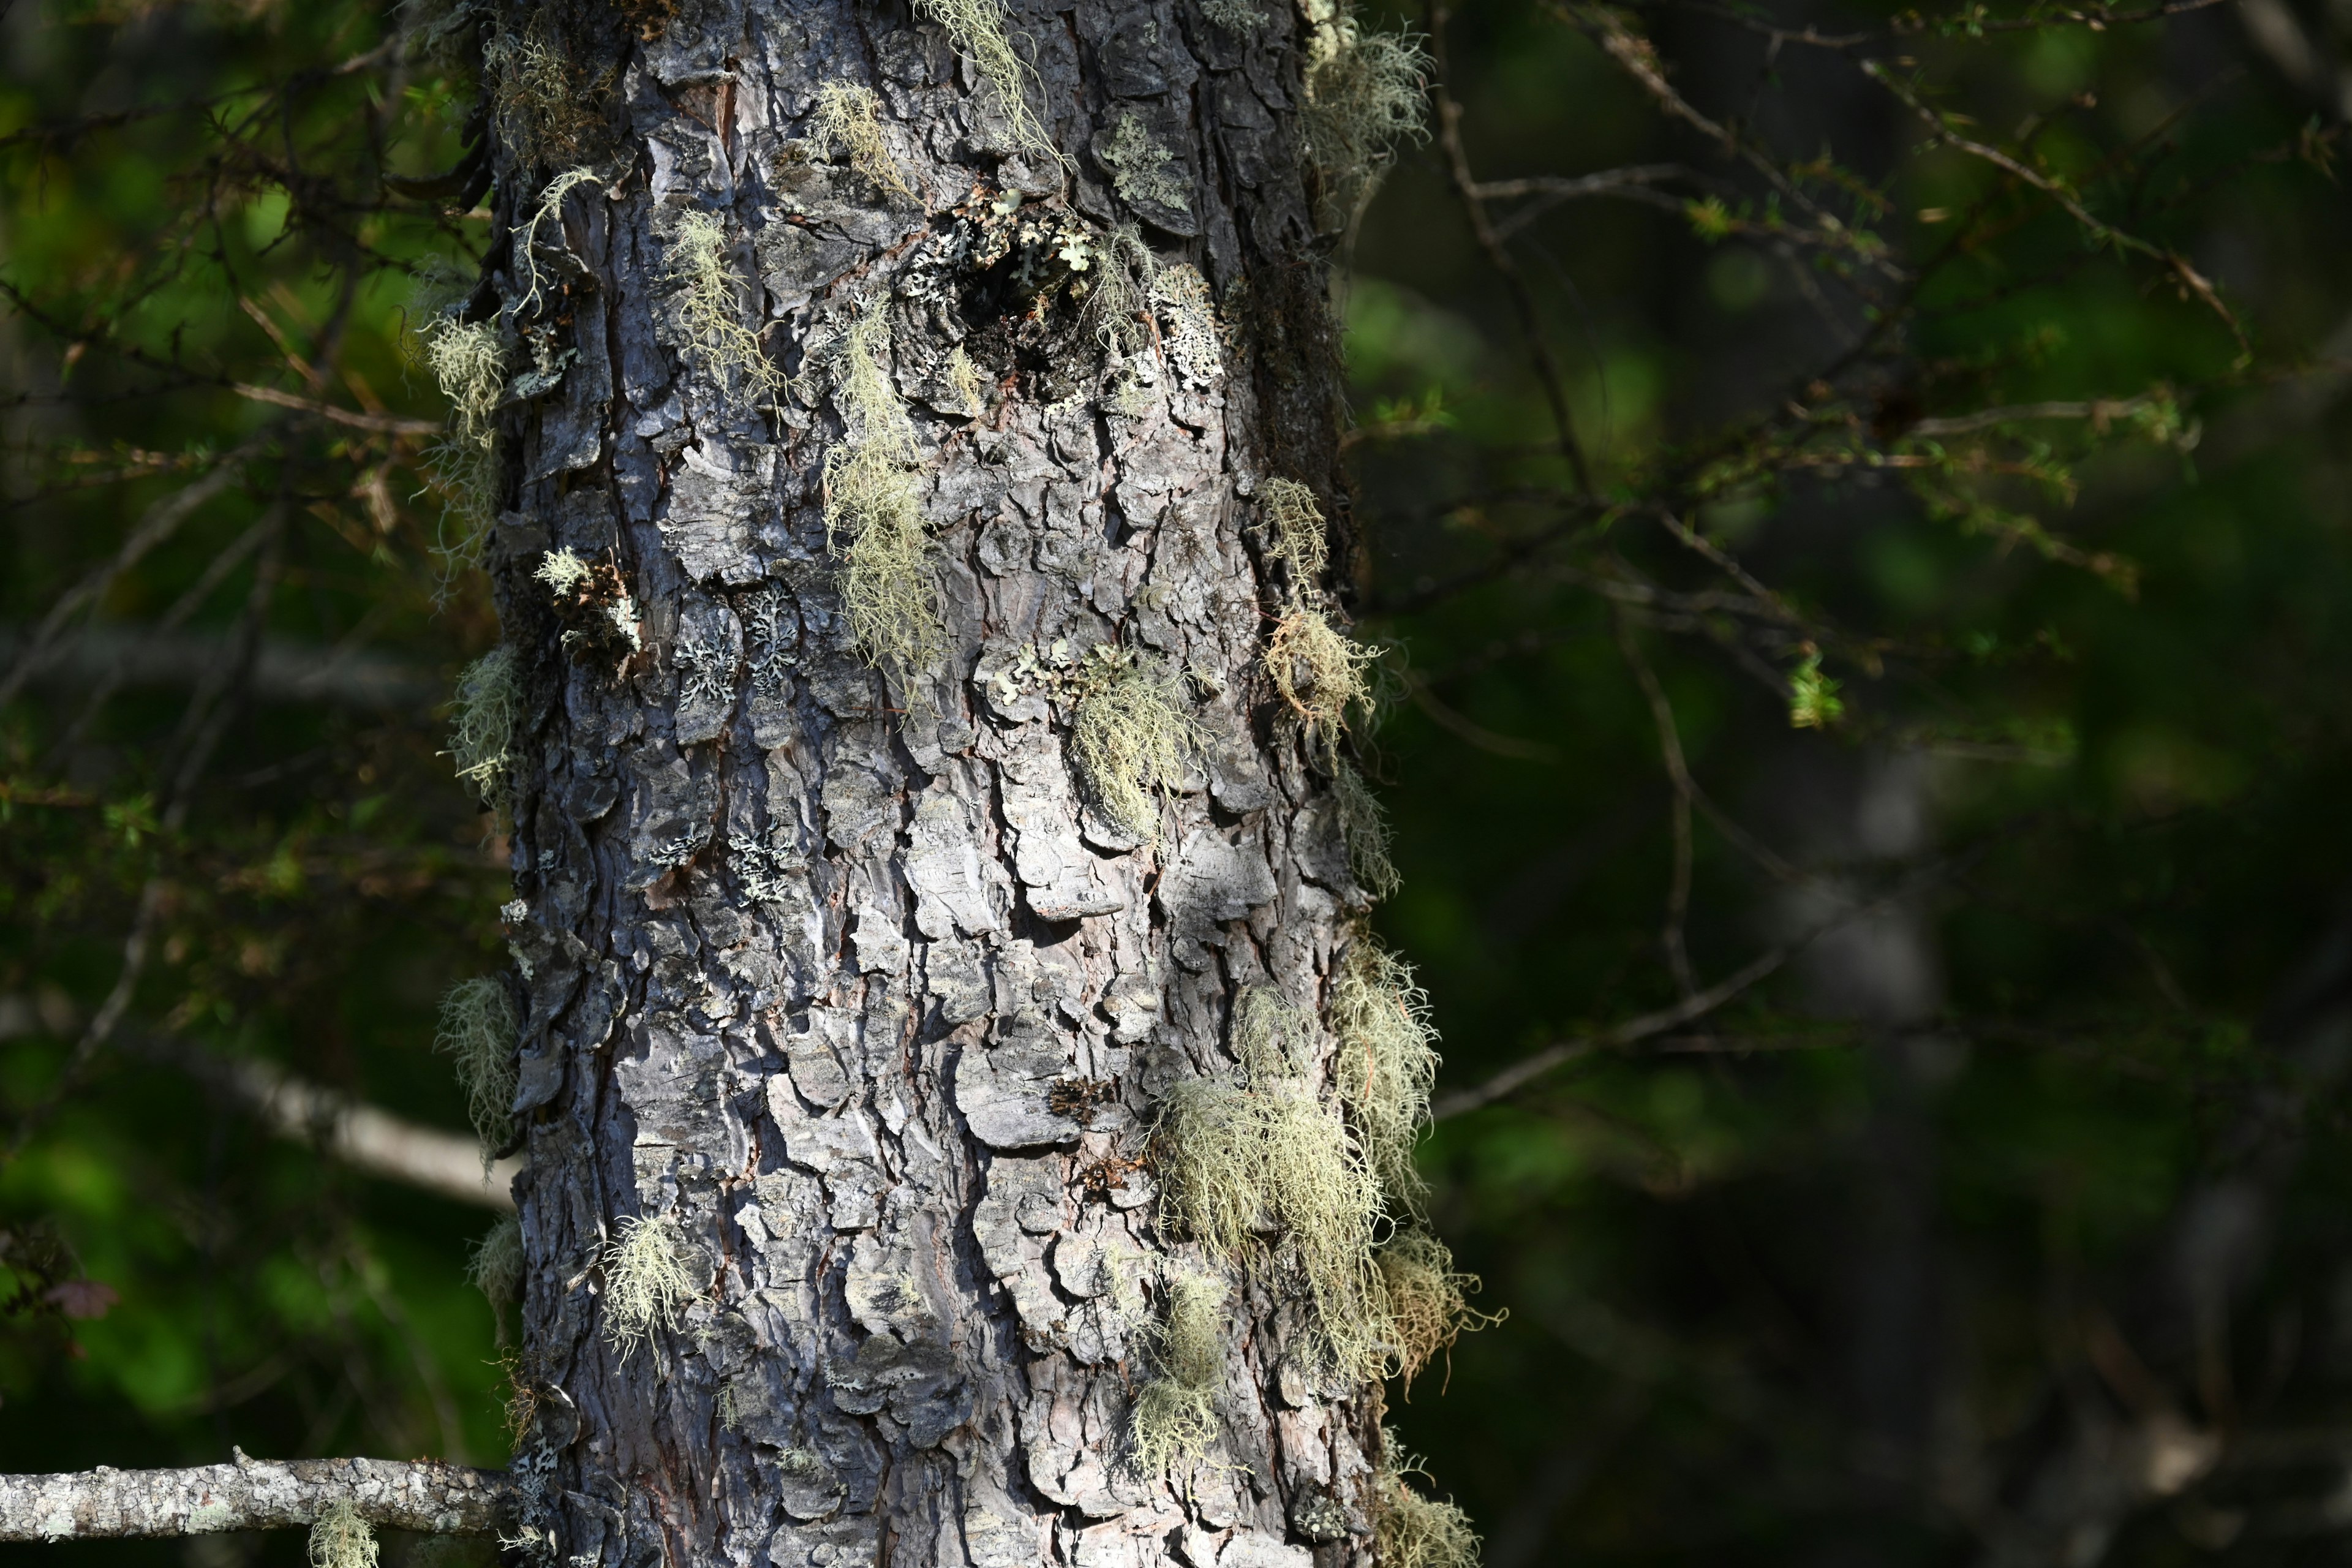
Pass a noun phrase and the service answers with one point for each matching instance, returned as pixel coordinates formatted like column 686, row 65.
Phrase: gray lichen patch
column 1146, row 173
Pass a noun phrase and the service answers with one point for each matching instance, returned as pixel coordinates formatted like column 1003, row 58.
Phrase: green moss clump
column 478, row 1028
column 486, row 712
column 646, row 1279
column 1132, row 730
column 340, row 1538
column 1387, row 1062
column 1175, row 1415
column 976, row 27
column 1410, row 1530
column 874, row 510
column 709, row 314
column 847, row 121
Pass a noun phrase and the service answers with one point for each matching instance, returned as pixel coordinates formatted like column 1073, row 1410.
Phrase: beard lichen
column 710, row 317
column 847, row 119
column 1131, row 732
column 646, row 1279
column 340, row 1538
column 494, row 1266
column 1239, row 1155
column 1410, row 1530
column 1427, row 1301
column 1319, row 672
column 547, row 108
column 976, row 29
column 1175, row 1415
column 1365, row 95
column 486, row 711
column 1364, row 829
column 477, row 1031
column 1295, row 534
column 1386, row 1064
column 874, row 510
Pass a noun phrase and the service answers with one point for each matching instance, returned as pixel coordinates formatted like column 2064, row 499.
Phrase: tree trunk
column 858, row 967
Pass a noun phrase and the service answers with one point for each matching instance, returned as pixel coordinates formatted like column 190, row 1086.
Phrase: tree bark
column 844, row 990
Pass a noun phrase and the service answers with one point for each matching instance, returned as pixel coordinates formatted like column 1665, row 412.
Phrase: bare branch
column 424, row 1495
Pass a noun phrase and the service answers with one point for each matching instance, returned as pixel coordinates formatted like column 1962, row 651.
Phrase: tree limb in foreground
column 426, row 1495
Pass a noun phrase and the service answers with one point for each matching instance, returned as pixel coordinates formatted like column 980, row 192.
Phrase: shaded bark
column 847, row 984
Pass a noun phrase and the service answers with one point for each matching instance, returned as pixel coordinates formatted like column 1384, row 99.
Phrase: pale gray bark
column 808, row 954
column 253, row 1494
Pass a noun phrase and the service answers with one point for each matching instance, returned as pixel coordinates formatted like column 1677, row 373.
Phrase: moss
column 1142, row 171
column 1295, row 534
column 340, row 1538
column 710, row 316
column 847, row 121
column 486, row 712
column 1426, row 1299
column 1364, row 96
column 1410, row 1530
column 874, row 513
column 976, row 27
column 1319, row 672
column 1175, row 1416
column 1387, row 1062
column 647, row 1281
column 1364, row 828
column 1131, row 732
column 478, row 1028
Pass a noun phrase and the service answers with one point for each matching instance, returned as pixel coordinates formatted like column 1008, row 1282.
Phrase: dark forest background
column 1891, row 752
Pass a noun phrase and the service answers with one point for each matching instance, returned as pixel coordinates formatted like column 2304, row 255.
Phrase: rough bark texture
column 851, row 980
column 253, row 1494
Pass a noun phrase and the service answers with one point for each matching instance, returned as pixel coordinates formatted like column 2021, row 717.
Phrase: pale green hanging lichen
column 1427, row 1301
column 1320, row 673
column 1296, row 532
column 525, row 234
column 1364, row 829
column 976, row 27
column 1132, row 732
column 1386, row 1064
column 874, row 510
column 486, row 712
column 1365, row 96
column 1235, row 1154
column 495, row 1267
column 710, row 316
column 647, row 1281
column 847, row 119
column 1175, row 1416
column 1410, row 1530
column 340, row 1538
column 478, row 1030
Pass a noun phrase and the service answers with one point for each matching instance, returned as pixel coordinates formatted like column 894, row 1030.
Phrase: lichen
column 468, row 361
column 1426, row 1299
column 874, row 513
column 710, row 316
column 1386, row 1064
column 1295, row 534
column 1319, row 672
column 1234, row 16
column 1188, row 324
column 547, row 108
column 486, row 711
column 976, row 27
column 340, row 1538
column 1142, row 170
column 1131, row 732
column 1410, row 1530
column 478, row 1030
column 847, row 121
column 525, row 234
column 1175, row 1415
column 1365, row 95
column 562, row 572
column 494, row 1265
column 963, row 380
column 647, row 1281
column 1364, row 829
column 1237, row 1155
